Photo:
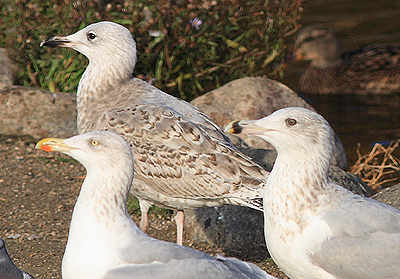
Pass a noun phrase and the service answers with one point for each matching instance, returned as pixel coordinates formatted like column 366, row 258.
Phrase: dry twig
column 376, row 167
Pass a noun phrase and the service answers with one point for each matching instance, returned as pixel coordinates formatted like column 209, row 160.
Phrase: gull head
column 101, row 42
column 289, row 130
column 99, row 150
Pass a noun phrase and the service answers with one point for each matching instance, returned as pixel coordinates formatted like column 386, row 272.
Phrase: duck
column 370, row 69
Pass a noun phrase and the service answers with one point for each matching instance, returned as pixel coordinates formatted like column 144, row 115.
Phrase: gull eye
column 291, row 121
column 91, row 36
column 94, row 142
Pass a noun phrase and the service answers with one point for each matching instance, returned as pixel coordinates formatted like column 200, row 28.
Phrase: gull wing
column 179, row 158
column 365, row 242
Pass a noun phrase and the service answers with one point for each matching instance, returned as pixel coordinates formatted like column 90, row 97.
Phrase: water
column 360, row 119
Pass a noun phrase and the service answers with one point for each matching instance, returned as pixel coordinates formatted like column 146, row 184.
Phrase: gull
column 104, row 242
column 182, row 159
column 314, row 228
column 8, row 270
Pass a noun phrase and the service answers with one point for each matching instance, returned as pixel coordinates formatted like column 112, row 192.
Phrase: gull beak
column 56, row 41
column 245, row 127
column 53, row 144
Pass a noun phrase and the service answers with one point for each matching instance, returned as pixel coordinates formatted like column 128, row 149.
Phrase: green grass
column 133, row 208
column 235, row 39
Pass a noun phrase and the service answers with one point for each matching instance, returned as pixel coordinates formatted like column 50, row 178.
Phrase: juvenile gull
column 182, row 159
column 103, row 240
column 8, row 270
column 314, row 228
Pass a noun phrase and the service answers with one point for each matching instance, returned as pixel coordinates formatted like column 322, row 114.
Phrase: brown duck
column 369, row 69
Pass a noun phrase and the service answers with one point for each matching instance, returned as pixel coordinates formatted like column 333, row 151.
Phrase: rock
column 36, row 112
column 350, row 181
column 255, row 98
column 390, row 195
column 237, row 231
column 247, row 98
column 6, row 70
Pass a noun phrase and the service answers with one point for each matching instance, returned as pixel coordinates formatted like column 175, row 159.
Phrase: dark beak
column 55, row 41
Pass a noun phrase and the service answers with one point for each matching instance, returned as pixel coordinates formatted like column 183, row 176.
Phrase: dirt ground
column 38, row 194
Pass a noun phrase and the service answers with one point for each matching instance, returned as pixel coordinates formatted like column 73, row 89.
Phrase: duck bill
column 292, row 57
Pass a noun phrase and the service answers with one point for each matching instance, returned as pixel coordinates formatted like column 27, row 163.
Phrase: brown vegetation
column 377, row 168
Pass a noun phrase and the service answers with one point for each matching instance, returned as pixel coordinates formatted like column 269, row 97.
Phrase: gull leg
column 144, row 218
column 179, row 219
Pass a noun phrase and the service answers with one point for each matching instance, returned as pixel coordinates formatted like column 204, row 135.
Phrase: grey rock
column 255, row 98
column 6, row 70
column 389, row 195
column 36, row 112
column 350, row 181
column 237, row 231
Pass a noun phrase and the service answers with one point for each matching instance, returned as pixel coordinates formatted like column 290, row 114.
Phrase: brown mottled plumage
column 368, row 69
column 182, row 159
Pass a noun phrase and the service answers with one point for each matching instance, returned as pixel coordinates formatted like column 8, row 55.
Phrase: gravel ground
column 39, row 191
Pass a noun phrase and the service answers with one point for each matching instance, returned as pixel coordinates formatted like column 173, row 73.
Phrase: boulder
column 36, row 112
column 255, row 98
column 389, row 195
column 6, row 70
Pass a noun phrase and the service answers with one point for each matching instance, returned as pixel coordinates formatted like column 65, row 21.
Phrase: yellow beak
column 53, row 144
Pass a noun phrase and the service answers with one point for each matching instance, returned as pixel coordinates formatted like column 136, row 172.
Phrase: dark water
column 357, row 119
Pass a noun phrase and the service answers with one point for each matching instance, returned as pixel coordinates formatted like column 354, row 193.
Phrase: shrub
column 185, row 47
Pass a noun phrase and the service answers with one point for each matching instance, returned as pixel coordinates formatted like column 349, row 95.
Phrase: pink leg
column 144, row 219
column 179, row 219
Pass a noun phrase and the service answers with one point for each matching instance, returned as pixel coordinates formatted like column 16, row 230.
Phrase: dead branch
column 376, row 167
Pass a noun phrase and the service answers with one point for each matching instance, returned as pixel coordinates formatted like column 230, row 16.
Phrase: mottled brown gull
column 182, row 159
column 8, row 270
column 104, row 242
column 314, row 228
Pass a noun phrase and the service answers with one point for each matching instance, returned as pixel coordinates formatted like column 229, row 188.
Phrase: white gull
column 315, row 228
column 103, row 240
column 182, row 159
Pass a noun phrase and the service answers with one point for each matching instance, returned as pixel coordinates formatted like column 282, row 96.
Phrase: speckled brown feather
column 182, row 159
